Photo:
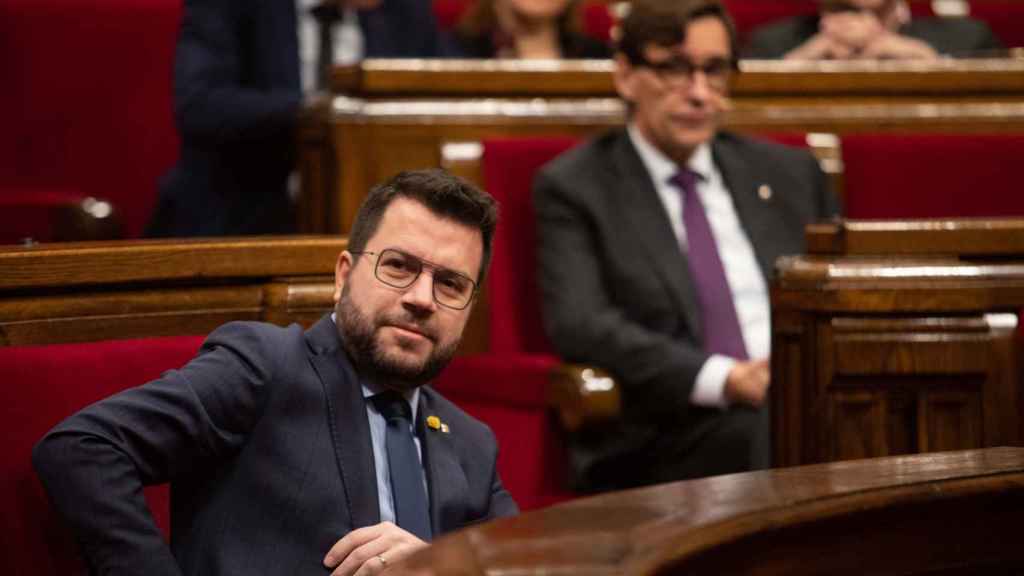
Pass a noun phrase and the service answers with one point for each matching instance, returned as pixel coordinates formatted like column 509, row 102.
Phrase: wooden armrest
column 583, row 396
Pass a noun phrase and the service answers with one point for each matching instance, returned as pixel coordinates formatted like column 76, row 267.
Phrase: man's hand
column 370, row 550
column 896, row 47
column 855, row 30
column 747, row 383
column 821, row 46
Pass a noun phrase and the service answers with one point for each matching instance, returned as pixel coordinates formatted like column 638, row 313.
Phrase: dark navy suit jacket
column 237, row 96
column 265, row 441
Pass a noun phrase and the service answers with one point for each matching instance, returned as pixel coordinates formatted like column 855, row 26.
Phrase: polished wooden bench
column 954, row 513
column 386, row 116
column 898, row 337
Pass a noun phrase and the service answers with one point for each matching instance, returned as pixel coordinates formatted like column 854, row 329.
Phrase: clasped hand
column 371, row 550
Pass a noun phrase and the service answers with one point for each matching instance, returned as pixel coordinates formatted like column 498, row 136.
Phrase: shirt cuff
column 709, row 388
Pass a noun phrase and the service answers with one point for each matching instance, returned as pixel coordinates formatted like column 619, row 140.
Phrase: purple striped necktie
column 718, row 318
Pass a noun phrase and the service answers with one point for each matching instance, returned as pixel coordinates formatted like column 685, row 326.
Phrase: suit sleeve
column 211, row 100
column 502, row 503
column 95, row 463
column 582, row 318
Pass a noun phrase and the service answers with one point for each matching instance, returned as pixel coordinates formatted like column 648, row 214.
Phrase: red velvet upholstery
column 32, row 213
column 508, row 393
column 1004, row 17
column 932, row 175
column 508, row 168
column 41, row 385
column 86, row 105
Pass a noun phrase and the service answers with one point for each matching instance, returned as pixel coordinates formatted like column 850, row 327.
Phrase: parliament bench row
column 891, row 349
column 91, row 115
column 79, row 322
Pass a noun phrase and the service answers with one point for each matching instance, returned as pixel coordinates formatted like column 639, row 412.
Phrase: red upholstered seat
column 749, row 14
column 508, row 393
column 86, row 104
column 1004, row 17
column 932, row 175
column 508, row 168
column 39, row 387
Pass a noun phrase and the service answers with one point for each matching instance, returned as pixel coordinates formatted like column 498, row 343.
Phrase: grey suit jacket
column 962, row 37
column 265, row 441
column 615, row 285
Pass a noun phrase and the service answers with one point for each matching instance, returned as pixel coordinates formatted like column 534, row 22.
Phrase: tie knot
column 686, row 180
column 326, row 12
column 392, row 406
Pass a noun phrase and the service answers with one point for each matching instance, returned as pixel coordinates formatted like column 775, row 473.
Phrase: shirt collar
column 661, row 167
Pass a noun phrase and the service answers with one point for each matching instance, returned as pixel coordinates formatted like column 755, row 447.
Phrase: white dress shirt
column 347, row 45
column 746, row 282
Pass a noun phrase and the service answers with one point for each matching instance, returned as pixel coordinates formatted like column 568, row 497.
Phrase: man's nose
column 421, row 293
column 699, row 88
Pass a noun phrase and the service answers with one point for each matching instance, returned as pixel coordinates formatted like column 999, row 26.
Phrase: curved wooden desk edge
column 940, row 511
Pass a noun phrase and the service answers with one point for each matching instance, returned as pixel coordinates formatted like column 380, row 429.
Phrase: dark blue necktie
column 720, row 324
column 411, row 509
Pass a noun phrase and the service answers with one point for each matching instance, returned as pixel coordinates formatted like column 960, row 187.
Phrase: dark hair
column 481, row 19
column 664, row 22
column 442, row 193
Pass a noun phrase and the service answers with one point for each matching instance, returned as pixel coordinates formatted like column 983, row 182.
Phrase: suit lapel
column 350, row 430
column 649, row 223
column 446, row 481
column 742, row 180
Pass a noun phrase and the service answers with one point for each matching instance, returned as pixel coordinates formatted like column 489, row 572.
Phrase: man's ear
column 342, row 270
column 623, row 77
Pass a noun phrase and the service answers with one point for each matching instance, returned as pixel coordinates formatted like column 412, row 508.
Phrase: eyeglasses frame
column 422, row 264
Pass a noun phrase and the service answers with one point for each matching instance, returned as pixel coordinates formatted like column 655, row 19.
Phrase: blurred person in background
column 656, row 244
column 527, row 29
column 871, row 29
column 241, row 70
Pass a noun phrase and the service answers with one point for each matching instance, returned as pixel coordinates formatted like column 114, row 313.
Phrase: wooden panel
column 392, row 115
column 913, row 353
column 947, row 513
column 393, row 78
column 80, row 263
column 949, row 419
column 858, row 423
column 79, row 292
column 993, row 237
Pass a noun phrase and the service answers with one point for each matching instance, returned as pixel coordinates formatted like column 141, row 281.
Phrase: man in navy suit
column 238, row 92
column 656, row 246
column 275, row 441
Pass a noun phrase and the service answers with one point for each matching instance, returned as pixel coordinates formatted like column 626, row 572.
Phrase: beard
column 359, row 335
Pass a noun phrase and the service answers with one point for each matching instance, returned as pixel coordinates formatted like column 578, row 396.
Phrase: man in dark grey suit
column 292, row 452
column 871, row 29
column 656, row 244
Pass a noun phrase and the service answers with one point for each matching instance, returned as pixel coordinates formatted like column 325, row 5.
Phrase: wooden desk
column 952, row 513
column 389, row 115
column 87, row 291
column 898, row 338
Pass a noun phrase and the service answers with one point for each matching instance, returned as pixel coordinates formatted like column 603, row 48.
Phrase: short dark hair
column 663, row 22
column 442, row 193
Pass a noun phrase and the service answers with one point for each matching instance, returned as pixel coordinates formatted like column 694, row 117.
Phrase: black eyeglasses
column 400, row 269
column 679, row 72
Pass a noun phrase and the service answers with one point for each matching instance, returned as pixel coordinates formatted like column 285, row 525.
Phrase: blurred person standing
column 240, row 72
